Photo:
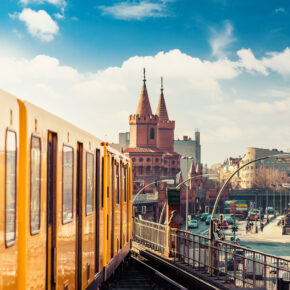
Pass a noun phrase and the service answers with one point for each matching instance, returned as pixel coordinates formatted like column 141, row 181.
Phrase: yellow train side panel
column 9, row 118
column 22, row 256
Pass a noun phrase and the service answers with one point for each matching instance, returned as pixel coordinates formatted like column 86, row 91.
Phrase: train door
column 97, row 207
column 79, row 215
column 51, row 212
column 127, row 193
column 112, row 206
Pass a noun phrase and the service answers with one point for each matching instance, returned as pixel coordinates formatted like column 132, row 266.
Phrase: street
column 270, row 241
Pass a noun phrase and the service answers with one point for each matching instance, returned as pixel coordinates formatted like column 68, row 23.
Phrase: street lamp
column 183, row 182
column 279, row 157
column 155, row 182
column 186, row 202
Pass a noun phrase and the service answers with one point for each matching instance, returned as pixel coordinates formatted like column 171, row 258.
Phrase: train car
column 118, row 208
column 9, row 191
column 73, row 215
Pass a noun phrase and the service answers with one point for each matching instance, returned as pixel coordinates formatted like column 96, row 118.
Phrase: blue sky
column 225, row 65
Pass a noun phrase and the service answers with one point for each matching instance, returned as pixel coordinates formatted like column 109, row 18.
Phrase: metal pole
column 186, row 205
column 274, row 197
column 285, row 199
column 277, row 156
column 280, row 202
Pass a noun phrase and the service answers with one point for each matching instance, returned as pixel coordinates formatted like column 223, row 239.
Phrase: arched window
column 151, row 133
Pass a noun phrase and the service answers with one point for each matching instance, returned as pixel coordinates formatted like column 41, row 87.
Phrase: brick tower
column 151, row 151
column 143, row 125
column 165, row 136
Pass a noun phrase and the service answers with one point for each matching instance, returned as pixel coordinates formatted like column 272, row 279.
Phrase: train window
column 67, row 184
column 117, row 184
column 90, row 183
column 11, row 167
column 35, row 185
column 125, row 184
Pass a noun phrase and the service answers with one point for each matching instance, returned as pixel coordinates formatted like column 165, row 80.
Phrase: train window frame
column 10, row 242
column 117, row 182
column 102, row 181
column 32, row 231
column 125, row 183
column 72, row 216
column 93, row 180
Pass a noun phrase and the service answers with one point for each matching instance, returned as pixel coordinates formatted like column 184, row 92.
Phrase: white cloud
column 278, row 62
column 39, row 24
column 135, row 10
column 194, row 93
column 280, row 10
column 249, row 62
column 58, row 15
column 220, row 40
column 54, row 2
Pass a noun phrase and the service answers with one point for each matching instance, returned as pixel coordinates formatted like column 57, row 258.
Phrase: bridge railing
column 235, row 265
column 149, row 233
column 239, row 266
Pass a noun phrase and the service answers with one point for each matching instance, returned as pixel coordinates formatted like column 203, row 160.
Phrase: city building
column 151, row 149
column 189, row 148
column 226, row 169
column 249, row 174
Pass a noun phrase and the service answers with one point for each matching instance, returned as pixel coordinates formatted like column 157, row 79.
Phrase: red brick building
column 151, row 149
column 151, row 146
column 151, row 142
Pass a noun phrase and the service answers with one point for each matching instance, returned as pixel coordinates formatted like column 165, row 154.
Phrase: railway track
column 137, row 273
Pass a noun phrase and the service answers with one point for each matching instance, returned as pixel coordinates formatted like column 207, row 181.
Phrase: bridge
column 191, row 261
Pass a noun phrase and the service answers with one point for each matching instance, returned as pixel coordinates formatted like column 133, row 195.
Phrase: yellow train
column 65, row 202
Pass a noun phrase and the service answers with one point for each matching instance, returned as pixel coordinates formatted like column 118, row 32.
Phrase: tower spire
column 161, row 109
column 144, row 107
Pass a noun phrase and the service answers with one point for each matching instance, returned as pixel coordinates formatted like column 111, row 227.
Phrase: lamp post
column 274, row 199
column 280, row 157
column 186, row 203
column 183, row 182
column 155, row 182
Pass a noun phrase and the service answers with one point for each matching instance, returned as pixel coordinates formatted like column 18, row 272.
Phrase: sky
column 225, row 65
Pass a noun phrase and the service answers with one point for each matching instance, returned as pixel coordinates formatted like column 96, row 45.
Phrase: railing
column 240, row 266
column 150, row 234
column 236, row 265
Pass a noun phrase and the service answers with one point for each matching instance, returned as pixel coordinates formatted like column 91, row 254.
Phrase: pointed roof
column 198, row 168
column 161, row 109
column 144, row 107
column 192, row 168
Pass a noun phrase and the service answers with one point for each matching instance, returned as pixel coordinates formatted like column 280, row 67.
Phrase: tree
column 266, row 177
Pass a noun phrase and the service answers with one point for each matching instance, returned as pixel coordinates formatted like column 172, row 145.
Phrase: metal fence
column 240, row 266
column 149, row 233
column 236, row 265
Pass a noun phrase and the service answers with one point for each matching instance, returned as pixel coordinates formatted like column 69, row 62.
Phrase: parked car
column 203, row 216
column 193, row 224
column 282, row 265
column 224, row 225
column 229, row 220
column 253, row 215
column 269, row 210
column 208, row 219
